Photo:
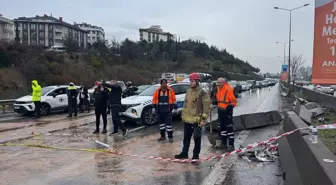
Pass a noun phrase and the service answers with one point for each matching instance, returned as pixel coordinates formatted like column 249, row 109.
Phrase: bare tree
column 296, row 62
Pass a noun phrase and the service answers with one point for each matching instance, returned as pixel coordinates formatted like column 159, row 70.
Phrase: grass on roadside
column 327, row 136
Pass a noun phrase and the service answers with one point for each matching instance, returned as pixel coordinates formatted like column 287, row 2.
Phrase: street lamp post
column 290, row 37
column 284, row 43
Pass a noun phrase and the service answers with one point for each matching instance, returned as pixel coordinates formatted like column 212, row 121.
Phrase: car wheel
column 148, row 117
column 44, row 109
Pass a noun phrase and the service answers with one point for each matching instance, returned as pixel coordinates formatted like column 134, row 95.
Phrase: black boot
column 196, row 158
column 104, row 131
column 96, row 131
column 181, row 156
column 162, row 138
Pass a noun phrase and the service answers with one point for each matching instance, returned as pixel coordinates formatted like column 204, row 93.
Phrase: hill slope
column 138, row 62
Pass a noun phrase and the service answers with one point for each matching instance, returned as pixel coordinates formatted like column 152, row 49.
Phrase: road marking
column 135, row 129
column 222, row 167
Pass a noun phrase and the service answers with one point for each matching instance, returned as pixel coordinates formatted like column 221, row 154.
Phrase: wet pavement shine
column 28, row 165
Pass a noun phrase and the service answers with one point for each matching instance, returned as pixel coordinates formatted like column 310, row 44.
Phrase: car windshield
column 233, row 83
column 149, row 91
column 243, row 83
column 45, row 90
column 142, row 87
column 249, row 81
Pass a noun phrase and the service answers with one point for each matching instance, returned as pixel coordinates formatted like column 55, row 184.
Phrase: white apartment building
column 48, row 31
column 95, row 33
column 6, row 29
column 155, row 33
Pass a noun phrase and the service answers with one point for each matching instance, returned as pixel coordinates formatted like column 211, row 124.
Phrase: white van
column 60, row 49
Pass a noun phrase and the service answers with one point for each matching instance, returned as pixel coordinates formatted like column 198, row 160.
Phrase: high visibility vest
column 225, row 96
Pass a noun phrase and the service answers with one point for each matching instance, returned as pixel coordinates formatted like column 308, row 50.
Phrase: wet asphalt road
column 20, row 165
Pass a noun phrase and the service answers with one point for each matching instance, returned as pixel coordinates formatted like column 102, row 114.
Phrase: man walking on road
column 100, row 96
column 164, row 102
column 72, row 99
column 226, row 101
column 195, row 112
column 37, row 93
column 115, row 103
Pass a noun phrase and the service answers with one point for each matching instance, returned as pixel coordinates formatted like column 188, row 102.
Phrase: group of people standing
column 108, row 95
column 195, row 112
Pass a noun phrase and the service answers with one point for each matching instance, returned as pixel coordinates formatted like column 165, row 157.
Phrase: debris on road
column 265, row 153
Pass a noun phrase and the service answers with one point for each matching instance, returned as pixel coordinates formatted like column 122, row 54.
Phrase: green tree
column 70, row 43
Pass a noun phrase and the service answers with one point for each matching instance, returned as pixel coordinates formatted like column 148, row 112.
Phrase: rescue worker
column 37, row 93
column 195, row 112
column 226, row 101
column 101, row 96
column 72, row 99
column 84, row 98
column 164, row 102
column 115, row 103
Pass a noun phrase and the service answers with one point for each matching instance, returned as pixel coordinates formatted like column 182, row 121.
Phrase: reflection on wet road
column 36, row 166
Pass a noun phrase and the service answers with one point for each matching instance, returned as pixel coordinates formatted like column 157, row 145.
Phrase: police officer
column 72, row 99
column 100, row 96
column 115, row 103
column 195, row 112
column 226, row 101
column 164, row 102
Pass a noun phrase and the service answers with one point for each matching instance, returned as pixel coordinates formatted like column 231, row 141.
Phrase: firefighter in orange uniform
column 164, row 102
column 226, row 101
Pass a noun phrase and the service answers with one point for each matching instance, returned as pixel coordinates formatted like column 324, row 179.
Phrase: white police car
column 139, row 108
column 54, row 98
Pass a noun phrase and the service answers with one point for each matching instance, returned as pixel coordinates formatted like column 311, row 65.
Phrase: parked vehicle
column 54, row 98
column 138, row 108
column 59, row 49
column 245, row 86
column 324, row 89
column 259, row 84
column 252, row 84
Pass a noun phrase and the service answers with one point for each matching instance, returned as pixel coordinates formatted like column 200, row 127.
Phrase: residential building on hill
column 155, row 33
column 6, row 29
column 95, row 33
column 48, row 31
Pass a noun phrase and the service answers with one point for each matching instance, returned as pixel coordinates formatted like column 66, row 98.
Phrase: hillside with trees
column 139, row 62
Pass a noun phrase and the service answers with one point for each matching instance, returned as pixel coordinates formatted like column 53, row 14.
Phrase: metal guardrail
column 5, row 104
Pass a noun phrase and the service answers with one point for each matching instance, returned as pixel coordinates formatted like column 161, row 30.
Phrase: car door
column 60, row 98
column 180, row 91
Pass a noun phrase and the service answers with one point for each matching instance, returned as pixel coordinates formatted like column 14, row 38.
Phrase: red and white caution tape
column 238, row 151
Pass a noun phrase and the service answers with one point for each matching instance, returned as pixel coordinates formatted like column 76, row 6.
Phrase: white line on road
column 135, row 129
column 218, row 174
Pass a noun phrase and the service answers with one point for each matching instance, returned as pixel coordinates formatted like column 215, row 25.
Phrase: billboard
column 324, row 59
column 284, row 68
column 284, row 76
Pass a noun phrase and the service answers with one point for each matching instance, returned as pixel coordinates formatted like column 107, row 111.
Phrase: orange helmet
column 194, row 76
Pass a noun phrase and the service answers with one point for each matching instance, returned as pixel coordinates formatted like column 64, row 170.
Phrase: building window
column 42, row 42
column 33, row 42
column 93, row 32
column 32, row 26
column 25, row 33
column 41, row 34
column 41, row 26
column 25, row 26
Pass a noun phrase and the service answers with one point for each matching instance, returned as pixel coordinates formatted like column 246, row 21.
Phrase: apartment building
column 155, row 33
column 48, row 31
column 6, row 29
column 95, row 33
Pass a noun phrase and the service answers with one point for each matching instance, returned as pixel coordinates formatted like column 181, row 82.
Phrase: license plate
column 180, row 104
column 16, row 107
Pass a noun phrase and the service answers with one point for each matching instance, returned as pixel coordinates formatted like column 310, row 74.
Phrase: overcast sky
column 248, row 29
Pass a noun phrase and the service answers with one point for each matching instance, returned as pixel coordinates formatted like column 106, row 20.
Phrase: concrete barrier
column 302, row 161
column 321, row 98
column 250, row 121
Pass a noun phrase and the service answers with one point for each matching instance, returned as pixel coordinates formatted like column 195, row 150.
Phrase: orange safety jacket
column 164, row 101
column 225, row 96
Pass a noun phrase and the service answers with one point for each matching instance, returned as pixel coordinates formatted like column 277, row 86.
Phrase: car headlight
column 131, row 105
column 29, row 102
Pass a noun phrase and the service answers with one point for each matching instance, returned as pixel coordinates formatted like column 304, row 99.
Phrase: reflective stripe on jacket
column 164, row 101
column 225, row 96
column 37, row 91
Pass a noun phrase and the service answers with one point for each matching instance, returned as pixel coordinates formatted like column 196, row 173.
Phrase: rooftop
column 87, row 25
column 155, row 29
column 47, row 19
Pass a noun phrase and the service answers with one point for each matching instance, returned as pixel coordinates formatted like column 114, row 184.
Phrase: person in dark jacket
column 72, row 99
column 115, row 103
column 101, row 96
column 84, row 99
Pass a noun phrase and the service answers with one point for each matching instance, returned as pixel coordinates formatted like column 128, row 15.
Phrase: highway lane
column 43, row 166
